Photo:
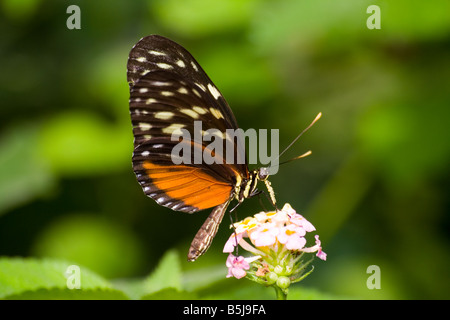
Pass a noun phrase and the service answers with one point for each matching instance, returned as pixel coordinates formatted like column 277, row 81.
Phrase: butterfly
column 169, row 92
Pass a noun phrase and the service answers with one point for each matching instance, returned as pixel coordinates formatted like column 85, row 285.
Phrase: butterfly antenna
column 295, row 140
column 298, row 157
column 298, row 137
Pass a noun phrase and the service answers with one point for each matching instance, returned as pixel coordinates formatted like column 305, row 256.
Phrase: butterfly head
column 262, row 174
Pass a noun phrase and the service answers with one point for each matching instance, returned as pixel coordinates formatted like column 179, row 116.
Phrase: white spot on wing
column 191, row 113
column 218, row 133
column 199, row 110
column 183, row 90
column 143, row 90
column 201, row 86
column 164, row 115
column 160, row 200
column 216, row 113
column 156, row 53
column 173, row 128
column 160, row 83
column 144, row 126
column 163, row 65
column 150, row 100
column 214, row 91
column 194, row 66
column 196, row 93
column 181, row 64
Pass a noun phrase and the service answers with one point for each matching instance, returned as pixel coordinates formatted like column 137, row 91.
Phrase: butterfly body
column 169, row 93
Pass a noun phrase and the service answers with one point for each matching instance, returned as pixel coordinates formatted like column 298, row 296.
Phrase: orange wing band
column 188, row 184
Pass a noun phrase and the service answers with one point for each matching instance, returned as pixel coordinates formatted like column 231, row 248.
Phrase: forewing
column 157, row 53
column 169, row 91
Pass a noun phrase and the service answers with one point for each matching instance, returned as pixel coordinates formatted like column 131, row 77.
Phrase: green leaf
column 196, row 17
column 197, row 279
column 67, row 294
column 252, row 87
column 170, row 294
column 24, row 174
column 391, row 142
column 302, row 293
column 19, row 10
column 163, row 283
column 166, row 275
column 116, row 253
column 345, row 22
column 82, row 143
column 27, row 278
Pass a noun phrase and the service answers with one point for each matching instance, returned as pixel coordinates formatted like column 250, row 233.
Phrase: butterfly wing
column 157, row 53
column 169, row 91
column 189, row 187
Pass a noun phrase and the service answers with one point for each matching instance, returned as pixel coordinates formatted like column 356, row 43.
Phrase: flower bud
column 283, row 282
column 278, row 269
column 271, row 278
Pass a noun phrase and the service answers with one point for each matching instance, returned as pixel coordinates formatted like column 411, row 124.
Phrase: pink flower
column 245, row 225
column 264, row 235
column 317, row 248
column 320, row 254
column 288, row 209
column 292, row 237
column 298, row 220
column 275, row 240
column 237, row 266
column 232, row 241
column 280, row 219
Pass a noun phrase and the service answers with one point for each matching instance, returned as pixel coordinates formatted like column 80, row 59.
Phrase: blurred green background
column 376, row 186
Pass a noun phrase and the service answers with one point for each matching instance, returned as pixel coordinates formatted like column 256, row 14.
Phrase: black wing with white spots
column 169, row 91
column 155, row 55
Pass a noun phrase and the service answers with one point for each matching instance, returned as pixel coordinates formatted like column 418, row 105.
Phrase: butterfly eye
column 263, row 174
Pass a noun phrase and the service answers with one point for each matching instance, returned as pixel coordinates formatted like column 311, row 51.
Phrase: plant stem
column 280, row 293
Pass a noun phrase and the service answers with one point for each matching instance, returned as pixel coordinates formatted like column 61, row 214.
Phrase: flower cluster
column 277, row 242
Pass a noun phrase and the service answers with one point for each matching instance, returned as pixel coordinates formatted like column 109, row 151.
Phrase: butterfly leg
column 258, row 193
column 260, row 201
column 236, row 251
column 271, row 193
column 235, row 207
